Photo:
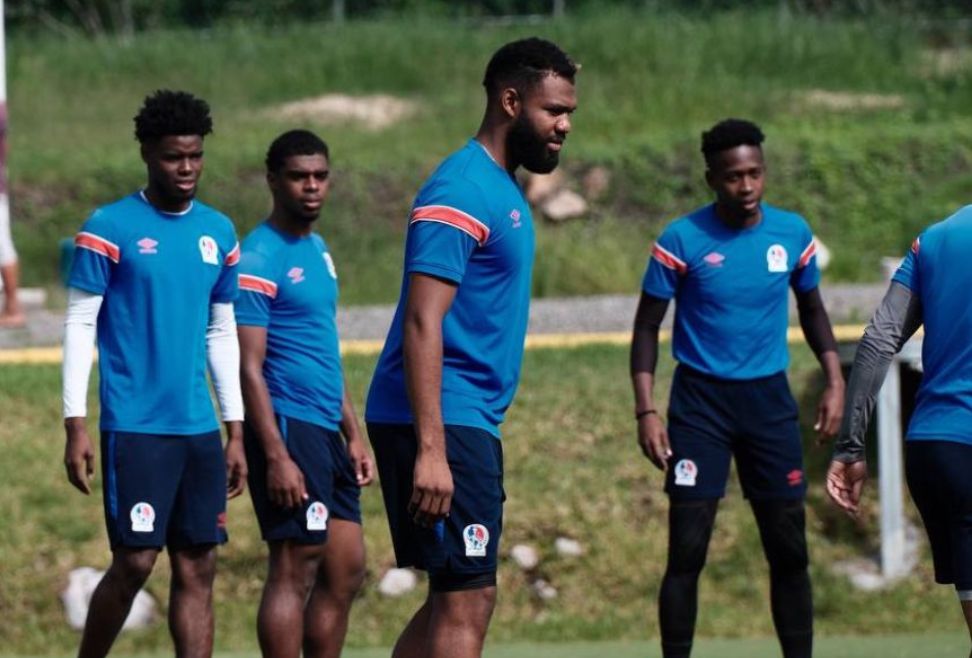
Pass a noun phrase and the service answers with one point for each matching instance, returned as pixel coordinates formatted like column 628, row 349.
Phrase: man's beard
column 530, row 149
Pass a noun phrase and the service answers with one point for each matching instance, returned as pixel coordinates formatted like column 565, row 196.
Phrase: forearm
column 423, row 379
column 349, row 419
column 818, row 332
column 644, row 394
column 80, row 328
column 223, row 356
column 894, row 322
column 259, row 411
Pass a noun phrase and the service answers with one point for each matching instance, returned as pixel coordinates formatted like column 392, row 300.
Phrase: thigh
column 769, row 447
column 141, row 475
column 199, row 513
column 395, row 449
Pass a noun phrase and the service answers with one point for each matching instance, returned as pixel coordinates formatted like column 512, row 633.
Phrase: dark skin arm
column 364, row 470
column 285, row 482
column 820, row 336
column 428, row 301
column 79, row 456
column 652, row 435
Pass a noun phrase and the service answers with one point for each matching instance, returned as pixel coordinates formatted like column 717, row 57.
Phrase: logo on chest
column 208, row 250
column 296, row 274
column 147, row 246
column 714, row 259
column 776, row 259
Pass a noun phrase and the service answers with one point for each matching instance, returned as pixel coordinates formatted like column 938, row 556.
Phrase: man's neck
column 737, row 220
column 493, row 141
column 289, row 225
column 160, row 202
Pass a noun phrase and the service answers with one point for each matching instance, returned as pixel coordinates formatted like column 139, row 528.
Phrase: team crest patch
column 685, row 473
column 776, row 258
column 330, row 265
column 147, row 246
column 208, row 250
column 476, row 537
column 296, row 274
column 143, row 517
column 317, row 516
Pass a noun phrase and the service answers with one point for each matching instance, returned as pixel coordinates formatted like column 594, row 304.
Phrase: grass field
column 572, row 470
column 868, row 176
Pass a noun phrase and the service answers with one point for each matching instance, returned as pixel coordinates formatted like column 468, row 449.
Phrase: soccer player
column 155, row 272
column 930, row 289
column 451, row 362
column 728, row 265
column 304, row 479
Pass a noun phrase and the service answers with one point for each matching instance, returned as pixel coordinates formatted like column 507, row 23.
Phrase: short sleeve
column 907, row 274
column 665, row 268
column 97, row 252
column 227, row 287
column 806, row 275
column 449, row 221
column 258, row 289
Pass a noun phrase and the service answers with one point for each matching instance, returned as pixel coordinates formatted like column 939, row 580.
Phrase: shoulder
column 215, row 221
column 466, row 181
column 682, row 230
column 261, row 249
column 787, row 220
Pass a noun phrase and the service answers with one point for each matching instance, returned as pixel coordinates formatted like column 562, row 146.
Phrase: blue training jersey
column 938, row 271
column 159, row 273
column 731, row 289
column 470, row 225
column 289, row 285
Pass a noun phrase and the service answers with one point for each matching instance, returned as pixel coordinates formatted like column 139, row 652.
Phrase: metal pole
column 559, row 7
column 337, row 11
column 889, row 463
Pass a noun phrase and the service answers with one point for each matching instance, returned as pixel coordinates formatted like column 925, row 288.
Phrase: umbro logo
column 296, row 274
column 515, row 217
column 715, row 259
column 147, row 246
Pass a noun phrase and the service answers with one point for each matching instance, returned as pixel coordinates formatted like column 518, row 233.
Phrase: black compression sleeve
column 815, row 323
column 644, row 341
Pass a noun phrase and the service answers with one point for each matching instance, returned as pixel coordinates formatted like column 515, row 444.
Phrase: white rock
column 540, row 186
column 526, row 557
column 396, row 582
column 563, row 205
column 568, row 547
column 544, row 590
column 596, row 182
column 77, row 596
column 823, row 254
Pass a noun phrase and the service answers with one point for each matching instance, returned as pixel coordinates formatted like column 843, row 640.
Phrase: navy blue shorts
column 711, row 420
column 467, row 541
column 322, row 456
column 164, row 490
column 939, row 479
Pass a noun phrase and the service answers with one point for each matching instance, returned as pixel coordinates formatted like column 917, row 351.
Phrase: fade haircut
column 167, row 112
column 729, row 134
column 294, row 142
column 524, row 63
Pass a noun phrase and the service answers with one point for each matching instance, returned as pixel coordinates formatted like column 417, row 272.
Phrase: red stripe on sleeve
column 257, row 284
column 233, row 257
column 807, row 254
column 668, row 259
column 98, row 245
column 453, row 217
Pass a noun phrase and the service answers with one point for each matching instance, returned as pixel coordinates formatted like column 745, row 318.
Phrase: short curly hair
column 168, row 112
column 729, row 134
column 294, row 142
column 526, row 62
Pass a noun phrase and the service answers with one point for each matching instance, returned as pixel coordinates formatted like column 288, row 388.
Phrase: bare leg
column 412, row 642
column 191, row 601
column 458, row 624
column 280, row 622
column 339, row 578
column 13, row 313
column 113, row 597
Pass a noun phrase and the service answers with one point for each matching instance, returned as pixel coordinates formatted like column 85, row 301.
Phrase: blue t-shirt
column 938, row 271
column 730, row 289
column 159, row 273
column 289, row 285
column 470, row 225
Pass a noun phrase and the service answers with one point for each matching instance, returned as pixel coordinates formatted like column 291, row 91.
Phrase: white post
column 889, row 463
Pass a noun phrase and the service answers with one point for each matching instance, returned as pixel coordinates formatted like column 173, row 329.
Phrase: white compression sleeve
column 80, row 328
column 223, row 355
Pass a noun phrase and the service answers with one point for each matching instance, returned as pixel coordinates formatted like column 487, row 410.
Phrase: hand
column 432, row 489
column 830, row 413
column 285, row 482
column 78, row 456
column 235, row 457
column 364, row 468
column 653, row 439
column 845, row 482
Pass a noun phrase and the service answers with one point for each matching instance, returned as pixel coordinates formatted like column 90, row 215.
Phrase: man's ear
column 511, row 102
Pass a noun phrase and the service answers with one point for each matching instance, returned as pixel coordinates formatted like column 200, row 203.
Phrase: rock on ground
column 77, row 596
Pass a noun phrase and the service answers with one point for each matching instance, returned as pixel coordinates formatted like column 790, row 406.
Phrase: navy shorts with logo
column 711, row 420
column 332, row 487
column 938, row 478
column 164, row 490
column 465, row 542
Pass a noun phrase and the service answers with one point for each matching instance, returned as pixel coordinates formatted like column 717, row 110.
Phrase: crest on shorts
column 776, row 258
column 143, row 517
column 476, row 538
column 685, row 473
column 317, row 516
column 208, row 250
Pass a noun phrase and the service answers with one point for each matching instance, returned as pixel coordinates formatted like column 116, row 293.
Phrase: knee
column 194, row 569
column 782, row 526
column 690, row 527
column 131, row 569
column 471, row 608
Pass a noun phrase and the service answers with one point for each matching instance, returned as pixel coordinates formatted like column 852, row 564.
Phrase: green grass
column 573, row 469
column 866, row 179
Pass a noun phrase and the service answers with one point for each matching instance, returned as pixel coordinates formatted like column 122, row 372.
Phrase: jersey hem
column 965, row 439
column 435, row 270
column 289, row 412
column 178, row 431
